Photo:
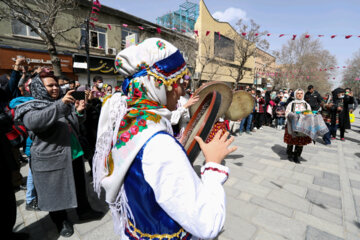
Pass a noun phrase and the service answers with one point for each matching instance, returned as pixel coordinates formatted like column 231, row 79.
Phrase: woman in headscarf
column 298, row 106
column 56, row 155
column 340, row 112
column 151, row 188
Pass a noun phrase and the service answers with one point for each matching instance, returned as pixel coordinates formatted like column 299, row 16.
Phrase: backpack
column 17, row 133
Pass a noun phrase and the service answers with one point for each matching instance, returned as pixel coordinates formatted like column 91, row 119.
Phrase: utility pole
column 87, row 28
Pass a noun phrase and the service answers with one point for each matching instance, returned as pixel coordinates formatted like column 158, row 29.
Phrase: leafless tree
column 43, row 17
column 304, row 62
column 246, row 41
column 352, row 74
column 207, row 62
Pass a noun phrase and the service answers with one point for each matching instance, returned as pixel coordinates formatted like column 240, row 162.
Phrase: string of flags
column 292, row 76
column 95, row 11
column 307, row 71
column 97, row 6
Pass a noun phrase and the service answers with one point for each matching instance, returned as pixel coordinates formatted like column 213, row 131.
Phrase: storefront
column 100, row 66
column 33, row 58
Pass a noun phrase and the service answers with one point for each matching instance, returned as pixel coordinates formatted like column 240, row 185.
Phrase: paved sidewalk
column 268, row 197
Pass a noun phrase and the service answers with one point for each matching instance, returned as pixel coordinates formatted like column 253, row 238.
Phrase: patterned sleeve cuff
column 214, row 172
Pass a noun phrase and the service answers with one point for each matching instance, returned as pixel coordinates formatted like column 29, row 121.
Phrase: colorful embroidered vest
column 152, row 222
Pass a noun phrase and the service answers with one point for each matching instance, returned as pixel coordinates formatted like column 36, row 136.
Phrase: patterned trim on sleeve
column 214, row 169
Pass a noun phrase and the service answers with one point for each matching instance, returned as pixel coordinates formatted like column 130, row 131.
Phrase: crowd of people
column 122, row 131
column 41, row 118
column 273, row 107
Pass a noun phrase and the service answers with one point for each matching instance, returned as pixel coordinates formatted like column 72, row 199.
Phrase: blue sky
column 327, row 17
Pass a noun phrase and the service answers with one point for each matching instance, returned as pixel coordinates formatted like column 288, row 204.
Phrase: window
column 97, row 37
column 224, row 47
column 126, row 32
column 18, row 28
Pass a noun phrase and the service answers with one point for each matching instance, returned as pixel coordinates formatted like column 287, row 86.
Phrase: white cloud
column 230, row 15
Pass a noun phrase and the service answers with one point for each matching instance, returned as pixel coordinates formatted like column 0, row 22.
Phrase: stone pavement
column 268, row 197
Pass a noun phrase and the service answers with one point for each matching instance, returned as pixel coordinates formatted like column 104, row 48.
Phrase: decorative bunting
column 320, row 35
column 125, row 25
column 281, row 35
column 256, row 34
column 158, row 30
column 307, row 36
column 196, row 32
column 94, row 19
column 268, row 34
column 95, row 9
column 207, row 33
column 333, row 36
column 219, row 35
column 140, row 27
column 97, row 3
column 348, row 36
column 244, row 34
column 294, row 36
column 109, row 26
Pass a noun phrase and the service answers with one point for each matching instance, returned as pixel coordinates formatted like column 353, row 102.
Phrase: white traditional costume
column 151, row 188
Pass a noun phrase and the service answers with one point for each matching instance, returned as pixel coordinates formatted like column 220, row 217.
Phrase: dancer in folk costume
column 151, row 188
column 297, row 106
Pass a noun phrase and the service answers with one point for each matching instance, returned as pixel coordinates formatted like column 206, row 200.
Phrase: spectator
column 72, row 85
column 77, row 84
column 64, row 83
column 313, row 98
column 340, row 112
column 259, row 108
column 56, row 155
column 109, row 90
column 327, row 108
column 97, row 89
column 353, row 106
column 7, row 159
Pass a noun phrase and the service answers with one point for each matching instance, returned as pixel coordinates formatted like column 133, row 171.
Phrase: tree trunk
column 55, row 60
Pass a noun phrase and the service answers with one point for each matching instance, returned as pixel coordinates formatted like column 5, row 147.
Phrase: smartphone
column 78, row 95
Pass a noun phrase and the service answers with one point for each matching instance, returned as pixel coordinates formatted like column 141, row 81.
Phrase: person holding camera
column 56, row 155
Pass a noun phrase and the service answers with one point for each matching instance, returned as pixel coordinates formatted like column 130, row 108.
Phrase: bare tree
column 207, row 62
column 351, row 74
column 42, row 16
column 304, row 62
column 246, row 41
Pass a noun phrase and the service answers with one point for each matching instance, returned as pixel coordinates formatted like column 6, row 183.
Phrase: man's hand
column 216, row 150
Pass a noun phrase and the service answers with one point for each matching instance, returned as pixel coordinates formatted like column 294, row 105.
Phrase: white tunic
column 198, row 205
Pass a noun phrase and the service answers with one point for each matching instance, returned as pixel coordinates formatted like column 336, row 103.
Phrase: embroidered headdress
column 127, row 122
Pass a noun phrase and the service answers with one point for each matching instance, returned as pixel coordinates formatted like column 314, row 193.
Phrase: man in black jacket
column 313, row 98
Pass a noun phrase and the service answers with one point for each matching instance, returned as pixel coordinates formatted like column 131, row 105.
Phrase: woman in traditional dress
column 151, row 188
column 297, row 106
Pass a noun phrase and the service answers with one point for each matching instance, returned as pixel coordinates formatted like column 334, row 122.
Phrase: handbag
column 352, row 117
